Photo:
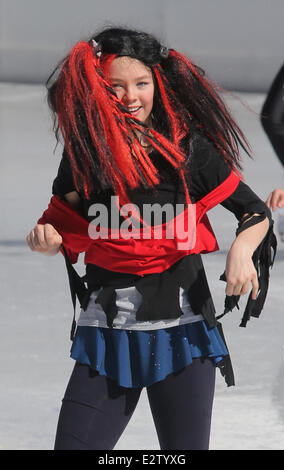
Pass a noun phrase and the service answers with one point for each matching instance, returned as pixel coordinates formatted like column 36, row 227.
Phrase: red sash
column 140, row 255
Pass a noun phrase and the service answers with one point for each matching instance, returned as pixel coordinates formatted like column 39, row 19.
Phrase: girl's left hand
column 275, row 199
column 240, row 271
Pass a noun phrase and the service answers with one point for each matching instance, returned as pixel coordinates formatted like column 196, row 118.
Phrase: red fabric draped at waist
column 188, row 233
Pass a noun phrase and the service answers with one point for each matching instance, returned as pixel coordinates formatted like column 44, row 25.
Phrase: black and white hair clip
column 164, row 52
column 96, row 48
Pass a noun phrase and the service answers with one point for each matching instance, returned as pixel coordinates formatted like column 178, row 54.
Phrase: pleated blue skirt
column 136, row 358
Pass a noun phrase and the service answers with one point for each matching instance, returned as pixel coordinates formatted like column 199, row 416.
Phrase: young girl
column 143, row 126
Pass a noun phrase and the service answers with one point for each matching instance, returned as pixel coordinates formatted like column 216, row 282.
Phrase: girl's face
column 134, row 86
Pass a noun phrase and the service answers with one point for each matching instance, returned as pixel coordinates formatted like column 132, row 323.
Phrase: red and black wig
column 99, row 133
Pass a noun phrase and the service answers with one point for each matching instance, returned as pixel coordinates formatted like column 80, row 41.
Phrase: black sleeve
column 207, row 167
column 245, row 201
column 208, row 170
column 272, row 115
column 63, row 182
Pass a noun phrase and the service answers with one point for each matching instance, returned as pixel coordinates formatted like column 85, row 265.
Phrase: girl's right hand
column 44, row 239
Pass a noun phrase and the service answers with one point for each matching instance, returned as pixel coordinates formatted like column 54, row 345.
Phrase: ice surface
column 36, row 309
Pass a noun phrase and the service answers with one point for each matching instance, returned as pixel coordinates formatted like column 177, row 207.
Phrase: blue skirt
column 136, row 358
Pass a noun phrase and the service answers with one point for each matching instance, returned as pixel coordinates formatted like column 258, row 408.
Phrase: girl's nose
column 130, row 95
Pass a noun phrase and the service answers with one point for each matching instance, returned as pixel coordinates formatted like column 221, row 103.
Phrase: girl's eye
column 142, row 83
column 116, row 85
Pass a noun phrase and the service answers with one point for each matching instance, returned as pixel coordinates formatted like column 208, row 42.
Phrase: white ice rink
column 36, row 309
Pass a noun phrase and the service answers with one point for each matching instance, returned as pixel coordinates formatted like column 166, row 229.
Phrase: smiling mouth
column 134, row 110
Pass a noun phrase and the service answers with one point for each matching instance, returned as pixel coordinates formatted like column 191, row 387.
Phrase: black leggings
column 95, row 410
